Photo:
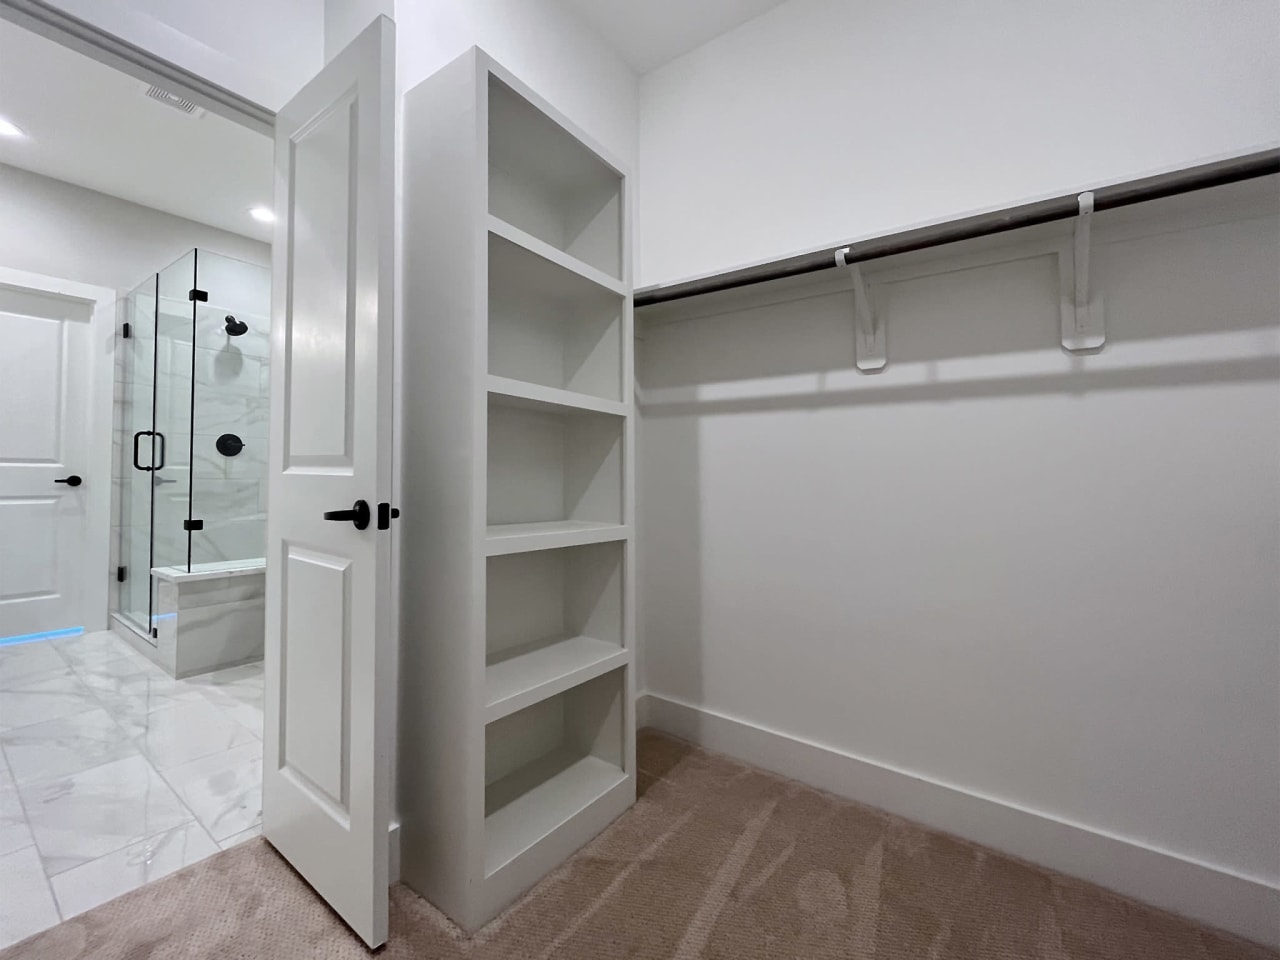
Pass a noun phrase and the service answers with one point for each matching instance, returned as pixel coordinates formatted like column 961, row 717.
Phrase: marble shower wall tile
column 211, row 329
column 249, row 464
column 237, row 589
column 214, row 636
column 217, row 413
column 219, row 499
column 228, row 370
column 235, row 539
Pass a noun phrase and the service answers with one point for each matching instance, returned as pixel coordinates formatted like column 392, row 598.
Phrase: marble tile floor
column 113, row 774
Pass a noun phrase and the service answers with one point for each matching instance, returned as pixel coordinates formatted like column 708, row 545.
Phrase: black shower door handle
column 158, row 436
column 136, row 437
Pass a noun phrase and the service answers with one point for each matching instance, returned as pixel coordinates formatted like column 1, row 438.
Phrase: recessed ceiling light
column 263, row 214
column 8, row 129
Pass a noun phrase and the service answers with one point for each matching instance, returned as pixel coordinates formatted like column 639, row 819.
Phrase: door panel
column 31, row 385
column 330, row 696
column 316, row 736
column 319, row 421
column 44, row 391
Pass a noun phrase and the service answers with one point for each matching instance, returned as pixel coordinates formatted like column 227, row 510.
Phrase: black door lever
column 359, row 514
column 71, row 481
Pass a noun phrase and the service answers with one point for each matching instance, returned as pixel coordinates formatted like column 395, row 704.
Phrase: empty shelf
column 518, row 681
column 534, row 396
column 550, row 535
column 546, row 794
column 545, row 250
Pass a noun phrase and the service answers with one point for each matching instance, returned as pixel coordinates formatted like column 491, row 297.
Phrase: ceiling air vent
column 173, row 100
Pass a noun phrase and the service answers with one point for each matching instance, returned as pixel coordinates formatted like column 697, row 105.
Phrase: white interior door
column 329, row 702
column 54, row 485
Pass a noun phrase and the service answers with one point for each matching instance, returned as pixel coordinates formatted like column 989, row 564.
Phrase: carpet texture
column 716, row 860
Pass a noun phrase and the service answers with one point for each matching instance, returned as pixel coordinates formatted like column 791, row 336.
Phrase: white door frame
column 96, row 554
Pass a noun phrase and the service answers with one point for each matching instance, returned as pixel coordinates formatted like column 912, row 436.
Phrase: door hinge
column 387, row 513
column 190, row 525
column 127, row 331
column 121, row 574
column 201, row 295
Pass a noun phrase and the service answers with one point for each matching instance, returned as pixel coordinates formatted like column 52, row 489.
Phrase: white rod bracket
column 1083, row 319
column 869, row 348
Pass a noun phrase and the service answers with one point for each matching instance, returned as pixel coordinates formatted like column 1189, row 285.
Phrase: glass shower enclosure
column 192, row 420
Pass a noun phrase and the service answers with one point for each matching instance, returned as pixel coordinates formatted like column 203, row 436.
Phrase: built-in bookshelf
column 518, row 593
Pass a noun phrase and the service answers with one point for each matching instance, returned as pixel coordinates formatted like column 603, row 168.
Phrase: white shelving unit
column 517, row 739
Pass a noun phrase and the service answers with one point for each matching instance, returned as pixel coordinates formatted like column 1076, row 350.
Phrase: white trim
column 96, row 555
column 43, row 18
column 1246, row 906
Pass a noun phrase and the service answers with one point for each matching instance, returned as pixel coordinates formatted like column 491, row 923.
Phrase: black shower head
column 236, row 327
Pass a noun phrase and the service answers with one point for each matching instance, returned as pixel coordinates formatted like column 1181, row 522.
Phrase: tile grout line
column 26, row 819
column 77, row 671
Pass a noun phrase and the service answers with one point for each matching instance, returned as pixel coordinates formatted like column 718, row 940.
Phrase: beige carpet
column 717, row 860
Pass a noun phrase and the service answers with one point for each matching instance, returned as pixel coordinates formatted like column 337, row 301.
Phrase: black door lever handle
column 359, row 514
column 71, row 481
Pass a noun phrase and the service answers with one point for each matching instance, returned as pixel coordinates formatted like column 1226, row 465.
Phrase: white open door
column 329, row 699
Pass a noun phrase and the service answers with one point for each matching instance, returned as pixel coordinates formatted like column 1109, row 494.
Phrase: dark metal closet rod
column 984, row 224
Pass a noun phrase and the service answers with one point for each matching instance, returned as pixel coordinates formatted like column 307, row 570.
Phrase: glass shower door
column 136, row 383
column 171, row 481
column 155, row 377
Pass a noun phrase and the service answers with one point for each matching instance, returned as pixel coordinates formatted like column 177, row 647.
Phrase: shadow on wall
column 995, row 564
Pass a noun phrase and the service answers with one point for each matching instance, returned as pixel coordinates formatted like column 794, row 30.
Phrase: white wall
column 1047, row 582
column 543, row 43
column 54, row 228
column 264, row 50
column 828, row 120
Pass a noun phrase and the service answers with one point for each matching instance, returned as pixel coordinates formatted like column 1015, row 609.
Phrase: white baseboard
column 1246, row 906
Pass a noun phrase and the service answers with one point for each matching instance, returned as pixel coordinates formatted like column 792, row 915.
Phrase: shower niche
column 191, row 416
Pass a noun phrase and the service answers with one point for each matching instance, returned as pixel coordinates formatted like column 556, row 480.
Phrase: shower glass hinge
column 121, row 573
column 189, row 525
column 201, row 295
column 155, row 632
column 127, row 331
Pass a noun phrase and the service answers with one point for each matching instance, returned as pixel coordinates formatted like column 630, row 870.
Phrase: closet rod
column 1065, row 207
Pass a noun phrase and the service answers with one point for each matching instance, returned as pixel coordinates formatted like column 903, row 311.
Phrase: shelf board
column 527, row 678
column 546, row 794
column 534, row 396
column 500, row 228
column 507, row 538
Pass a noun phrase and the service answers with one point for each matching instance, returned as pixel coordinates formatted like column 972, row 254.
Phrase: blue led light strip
column 47, row 635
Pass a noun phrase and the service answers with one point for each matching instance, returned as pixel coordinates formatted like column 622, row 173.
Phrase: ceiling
column 651, row 33
column 90, row 125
